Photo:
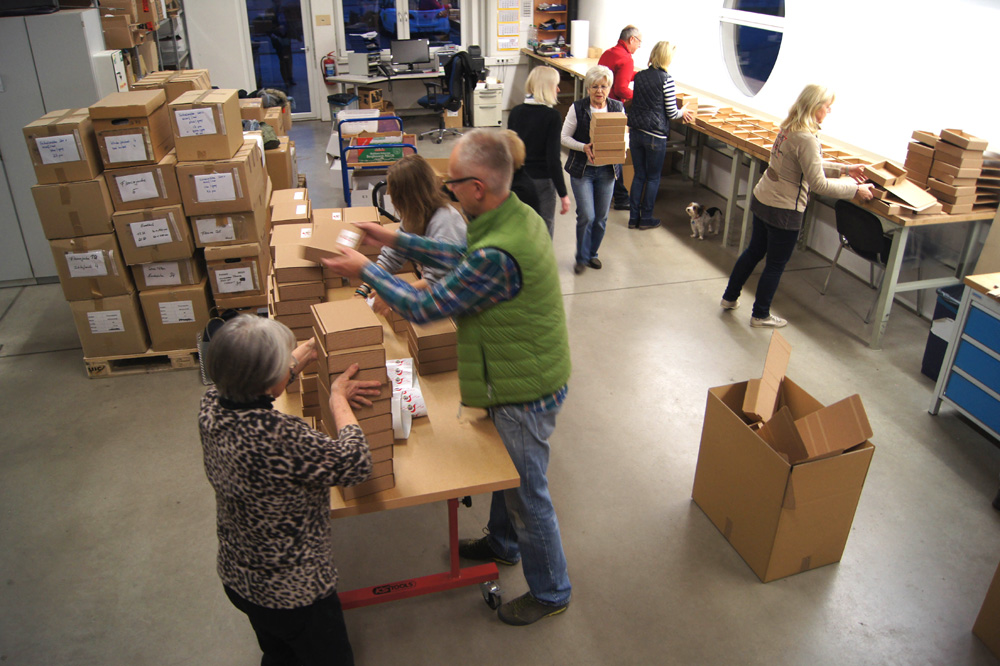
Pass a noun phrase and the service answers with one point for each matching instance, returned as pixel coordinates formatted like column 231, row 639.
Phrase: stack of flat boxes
column 920, row 156
column 175, row 83
column 957, row 164
column 347, row 332
column 221, row 174
column 396, row 321
column 433, row 346
column 607, row 133
column 75, row 210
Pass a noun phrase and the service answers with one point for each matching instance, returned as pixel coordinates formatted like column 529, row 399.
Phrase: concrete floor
column 107, row 520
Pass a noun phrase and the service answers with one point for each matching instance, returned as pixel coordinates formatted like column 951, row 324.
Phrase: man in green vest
column 513, row 351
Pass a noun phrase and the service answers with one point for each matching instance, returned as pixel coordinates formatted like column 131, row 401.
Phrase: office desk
column 575, row 67
column 356, row 80
column 450, row 454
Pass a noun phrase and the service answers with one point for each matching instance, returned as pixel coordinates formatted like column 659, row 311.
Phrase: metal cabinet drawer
column 979, row 364
column 974, row 400
column 983, row 326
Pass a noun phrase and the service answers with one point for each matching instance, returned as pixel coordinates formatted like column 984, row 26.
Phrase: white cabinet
column 487, row 107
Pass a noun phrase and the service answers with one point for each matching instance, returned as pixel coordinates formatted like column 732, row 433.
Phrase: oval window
column 751, row 38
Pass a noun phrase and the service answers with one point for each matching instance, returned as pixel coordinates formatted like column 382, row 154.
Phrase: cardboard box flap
column 911, row 194
column 135, row 103
column 834, row 429
column 811, row 482
column 762, row 395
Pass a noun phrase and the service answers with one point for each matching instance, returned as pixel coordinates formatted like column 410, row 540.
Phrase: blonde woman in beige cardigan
column 779, row 200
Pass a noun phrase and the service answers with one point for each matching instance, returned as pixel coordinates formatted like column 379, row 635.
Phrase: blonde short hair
column 595, row 74
column 662, row 55
column 802, row 115
column 541, row 85
column 516, row 147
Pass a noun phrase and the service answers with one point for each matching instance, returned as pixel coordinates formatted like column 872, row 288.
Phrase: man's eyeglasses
column 456, row 181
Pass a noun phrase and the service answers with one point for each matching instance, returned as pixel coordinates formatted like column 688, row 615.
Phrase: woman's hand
column 866, row 192
column 589, row 150
column 354, row 392
column 688, row 112
column 857, row 172
column 305, row 354
column 564, row 205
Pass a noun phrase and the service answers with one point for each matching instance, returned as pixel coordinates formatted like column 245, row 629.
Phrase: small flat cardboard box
column 252, row 108
column 375, row 423
column 238, row 270
column 885, row 173
column 301, row 306
column 453, row 119
column 291, row 212
column 345, row 324
column 917, row 165
column 883, row 207
column 145, row 186
column 154, row 234
column 604, row 157
column 917, row 148
column 63, row 147
column 609, row 119
column 959, row 208
column 951, row 193
column 963, row 139
column 433, row 334
column 294, row 291
column 987, row 626
column 435, row 367
column 371, row 356
column 928, row 138
column 289, row 234
column 969, row 160
column 289, row 266
column 782, row 518
column 223, row 186
column 294, row 321
column 956, row 152
column 951, row 174
column 433, row 354
column 254, row 302
column 81, row 208
column 132, row 128
column 175, row 315
column 290, row 195
column 91, row 267
column 368, row 487
column 167, row 274
column 281, row 166
column 232, row 228
column 206, row 125
column 328, row 236
column 110, row 326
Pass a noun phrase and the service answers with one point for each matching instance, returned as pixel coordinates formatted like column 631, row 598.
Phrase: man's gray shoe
column 480, row 549
column 527, row 610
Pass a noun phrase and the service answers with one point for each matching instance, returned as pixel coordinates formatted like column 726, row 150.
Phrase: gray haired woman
column 272, row 473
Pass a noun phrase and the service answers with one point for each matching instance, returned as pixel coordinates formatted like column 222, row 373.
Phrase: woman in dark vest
column 653, row 107
column 592, row 185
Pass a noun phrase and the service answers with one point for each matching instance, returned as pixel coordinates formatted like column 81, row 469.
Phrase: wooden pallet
column 140, row 364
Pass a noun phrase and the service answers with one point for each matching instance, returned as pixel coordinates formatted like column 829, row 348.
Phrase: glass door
column 281, row 44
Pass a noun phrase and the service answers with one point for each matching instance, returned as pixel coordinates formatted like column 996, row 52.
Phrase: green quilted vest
column 516, row 351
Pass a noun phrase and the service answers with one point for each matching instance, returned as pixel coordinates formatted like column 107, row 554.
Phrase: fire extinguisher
column 329, row 64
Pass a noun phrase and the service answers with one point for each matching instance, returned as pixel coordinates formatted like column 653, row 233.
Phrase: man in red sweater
column 619, row 60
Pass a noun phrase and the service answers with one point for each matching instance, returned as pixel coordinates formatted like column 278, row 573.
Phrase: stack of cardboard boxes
column 957, row 164
column 297, row 282
column 175, row 83
column 127, row 23
column 348, row 332
column 920, row 156
column 608, row 135
column 433, row 346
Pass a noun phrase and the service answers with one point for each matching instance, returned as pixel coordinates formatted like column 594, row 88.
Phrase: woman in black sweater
column 539, row 126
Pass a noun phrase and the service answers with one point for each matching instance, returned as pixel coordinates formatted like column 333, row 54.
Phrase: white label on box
column 337, row 215
column 151, row 232
column 137, row 186
column 299, row 196
column 57, row 149
column 162, row 273
column 349, row 238
column 106, row 321
column 126, row 148
column 307, row 232
column 300, row 209
column 177, row 312
column 195, row 122
column 211, row 231
column 233, row 280
column 86, row 264
column 215, row 187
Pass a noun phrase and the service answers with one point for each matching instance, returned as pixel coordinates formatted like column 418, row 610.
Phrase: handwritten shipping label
column 57, row 149
column 215, row 229
column 151, row 232
column 235, row 280
column 125, row 148
column 214, row 187
column 177, row 312
column 137, row 186
column 162, row 273
column 86, row 264
column 106, row 321
column 195, row 122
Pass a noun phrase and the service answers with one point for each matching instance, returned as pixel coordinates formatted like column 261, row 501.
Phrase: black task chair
column 861, row 233
column 449, row 98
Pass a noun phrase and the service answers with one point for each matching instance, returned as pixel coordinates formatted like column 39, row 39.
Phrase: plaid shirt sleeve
column 478, row 281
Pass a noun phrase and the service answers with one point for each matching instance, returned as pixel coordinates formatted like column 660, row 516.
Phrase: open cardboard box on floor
column 779, row 474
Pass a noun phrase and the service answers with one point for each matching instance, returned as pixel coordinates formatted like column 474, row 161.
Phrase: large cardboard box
column 272, row 116
column 145, row 186
column 781, row 517
column 289, row 234
column 223, row 186
column 206, row 125
column 291, row 212
column 328, row 237
column 280, row 166
column 174, row 84
column 63, row 147
column 289, row 266
column 238, row 270
column 250, row 226
column 154, row 234
column 91, row 267
column 987, row 626
column 252, row 108
column 111, row 326
column 175, row 315
column 132, row 128
column 293, row 195
column 161, row 274
column 81, row 208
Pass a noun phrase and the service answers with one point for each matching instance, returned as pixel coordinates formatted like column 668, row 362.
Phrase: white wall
column 896, row 65
column 220, row 41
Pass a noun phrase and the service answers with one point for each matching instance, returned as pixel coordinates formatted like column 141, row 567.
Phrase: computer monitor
column 410, row 52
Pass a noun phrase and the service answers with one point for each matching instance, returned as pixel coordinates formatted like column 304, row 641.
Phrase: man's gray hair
column 628, row 32
column 248, row 356
column 484, row 154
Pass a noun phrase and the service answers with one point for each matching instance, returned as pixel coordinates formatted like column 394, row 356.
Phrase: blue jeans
column 593, row 200
column 546, row 202
column 523, row 521
column 765, row 241
column 647, row 159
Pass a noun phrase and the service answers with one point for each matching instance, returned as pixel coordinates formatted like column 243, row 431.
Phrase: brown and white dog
column 703, row 220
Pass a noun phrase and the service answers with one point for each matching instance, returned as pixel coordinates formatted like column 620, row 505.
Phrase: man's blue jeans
column 523, row 521
column 593, row 200
column 648, row 152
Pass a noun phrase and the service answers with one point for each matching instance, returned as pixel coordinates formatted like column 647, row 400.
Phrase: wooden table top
column 985, row 283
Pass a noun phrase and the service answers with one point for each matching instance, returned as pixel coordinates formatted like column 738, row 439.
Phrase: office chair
column 449, row 98
column 861, row 233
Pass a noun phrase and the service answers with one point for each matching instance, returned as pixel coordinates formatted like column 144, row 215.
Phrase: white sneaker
column 768, row 322
column 729, row 305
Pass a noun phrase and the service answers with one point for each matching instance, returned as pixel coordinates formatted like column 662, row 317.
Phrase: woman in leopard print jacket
column 272, row 475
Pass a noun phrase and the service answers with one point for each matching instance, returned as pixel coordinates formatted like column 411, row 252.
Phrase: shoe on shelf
column 595, row 263
column 769, row 321
column 729, row 305
column 527, row 610
column 480, row 549
column 579, row 268
column 618, row 205
column 649, row 224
